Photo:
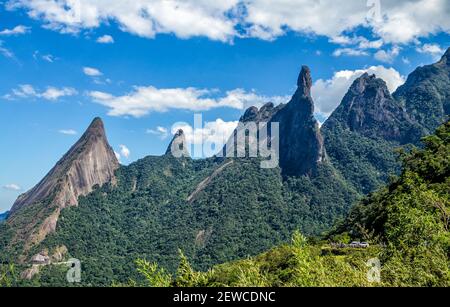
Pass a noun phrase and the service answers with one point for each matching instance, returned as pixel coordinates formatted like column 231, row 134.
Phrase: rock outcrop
column 178, row 146
column 426, row 94
column 90, row 162
column 301, row 147
column 301, row 144
column 369, row 109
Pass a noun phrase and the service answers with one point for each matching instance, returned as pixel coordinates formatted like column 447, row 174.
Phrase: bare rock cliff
column 90, row 162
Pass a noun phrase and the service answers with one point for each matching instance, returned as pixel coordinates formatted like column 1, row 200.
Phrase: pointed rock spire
column 301, row 144
column 304, row 81
column 178, row 146
column 90, row 162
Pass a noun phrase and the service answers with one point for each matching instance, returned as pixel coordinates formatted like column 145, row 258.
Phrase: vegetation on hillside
column 408, row 223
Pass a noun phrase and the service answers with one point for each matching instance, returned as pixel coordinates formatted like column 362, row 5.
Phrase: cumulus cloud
column 105, row 39
column 92, row 72
column 329, row 93
column 393, row 21
column 51, row 93
column 17, row 30
column 68, row 131
column 144, row 18
column 144, row 100
column 349, row 52
column 217, row 132
column 357, row 45
column 162, row 132
column 434, row 50
column 387, row 56
column 12, row 187
column 124, row 151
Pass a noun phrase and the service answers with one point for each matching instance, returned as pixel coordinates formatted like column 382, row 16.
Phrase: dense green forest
column 407, row 223
column 242, row 211
column 358, row 177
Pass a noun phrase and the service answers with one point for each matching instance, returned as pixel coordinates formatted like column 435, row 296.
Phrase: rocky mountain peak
column 426, row 94
column 264, row 114
column 178, row 146
column 96, row 128
column 90, row 162
column 446, row 57
column 249, row 115
column 369, row 85
column 301, row 144
column 304, row 81
column 369, row 108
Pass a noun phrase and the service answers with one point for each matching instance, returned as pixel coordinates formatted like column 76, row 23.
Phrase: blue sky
column 144, row 72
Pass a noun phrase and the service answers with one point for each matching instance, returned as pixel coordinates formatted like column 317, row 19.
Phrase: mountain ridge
column 216, row 210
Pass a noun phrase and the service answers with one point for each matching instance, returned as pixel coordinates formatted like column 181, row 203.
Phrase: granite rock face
column 90, row 162
column 369, row 109
column 301, row 147
column 426, row 94
column 301, row 144
column 178, row 146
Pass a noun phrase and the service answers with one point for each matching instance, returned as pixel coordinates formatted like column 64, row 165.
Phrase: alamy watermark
column 249, row 139
column 374, row 273
column 74, row 273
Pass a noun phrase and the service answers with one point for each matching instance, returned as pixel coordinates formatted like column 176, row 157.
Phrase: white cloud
column 144, row 18
column 162, row 132
column 387, row 56
column 12, row 187
column 144, row 100
column 92, row 72
column 394, row 21
column 51, row 93
column 358, row 45
column 124, row 151
column 349, row 52
column 434, row 50
column 6, row 52
column 328, row 94
column 117, row 155
column 68, row 131
column 105, row 39
column 48, row 57
column 17, row 30
column 217, row 132
column 360, row 42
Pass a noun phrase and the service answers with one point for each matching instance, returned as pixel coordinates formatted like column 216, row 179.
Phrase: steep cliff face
column 360, row 135
column 369, row 109
column 90, row 162
column 301, row 147
column 301, row 144
column 426, row 94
